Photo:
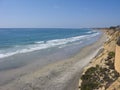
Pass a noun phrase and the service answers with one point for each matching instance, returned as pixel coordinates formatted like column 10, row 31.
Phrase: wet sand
column 62, row 75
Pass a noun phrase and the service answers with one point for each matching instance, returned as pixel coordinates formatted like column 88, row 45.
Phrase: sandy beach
column 63, row 75
column 59, row 45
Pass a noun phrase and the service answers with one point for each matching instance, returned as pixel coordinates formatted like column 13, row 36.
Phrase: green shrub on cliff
column 97, row 77
column 118, row 41
column 113, row 27
column 89, row 86
column 111, row 55
column 90, row 80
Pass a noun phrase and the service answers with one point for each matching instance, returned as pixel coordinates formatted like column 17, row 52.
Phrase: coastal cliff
column 117, row 57
column 103, row 71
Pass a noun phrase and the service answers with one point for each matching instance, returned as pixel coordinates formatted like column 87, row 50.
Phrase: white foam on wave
column 40, row 42
column 48, row 44
column 93, row 31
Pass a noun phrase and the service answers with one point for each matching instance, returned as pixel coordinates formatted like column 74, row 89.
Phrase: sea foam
column 46, row 44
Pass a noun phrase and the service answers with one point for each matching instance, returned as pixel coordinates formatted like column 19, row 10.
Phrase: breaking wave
column 44, row 45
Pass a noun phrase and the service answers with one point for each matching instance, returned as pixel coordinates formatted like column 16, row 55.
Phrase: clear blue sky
column 59, row 13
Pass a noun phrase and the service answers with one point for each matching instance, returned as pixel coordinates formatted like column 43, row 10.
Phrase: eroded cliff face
column 112, row 45
column 113, row 35
column 106, row 60
column 116, row 85
column 117, row 58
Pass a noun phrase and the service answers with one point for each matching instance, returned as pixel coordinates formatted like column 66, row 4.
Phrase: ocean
column 14, row 41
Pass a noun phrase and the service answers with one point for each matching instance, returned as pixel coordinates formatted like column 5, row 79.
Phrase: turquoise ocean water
column 25, row 40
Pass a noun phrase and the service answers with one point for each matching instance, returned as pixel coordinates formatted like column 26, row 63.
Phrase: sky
column 59, row 13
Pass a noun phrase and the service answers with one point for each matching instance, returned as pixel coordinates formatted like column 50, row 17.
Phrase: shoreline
column 60, row 74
